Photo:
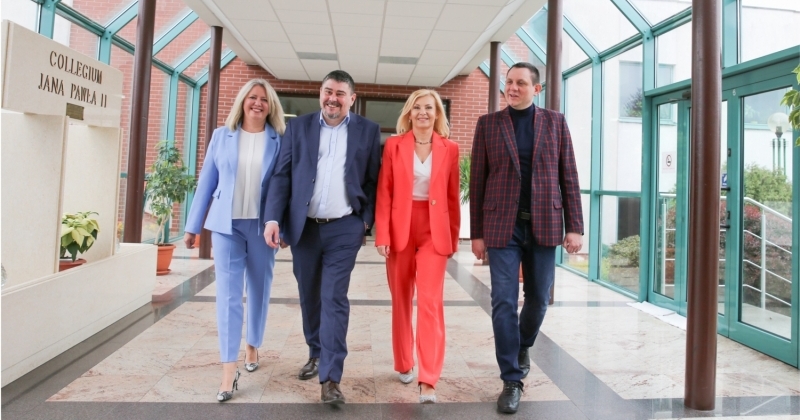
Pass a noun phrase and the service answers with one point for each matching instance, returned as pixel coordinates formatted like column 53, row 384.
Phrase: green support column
column 730, row 33
column 47, row 17
column 116, row 24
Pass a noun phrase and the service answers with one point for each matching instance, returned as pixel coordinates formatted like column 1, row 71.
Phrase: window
column 631, row 97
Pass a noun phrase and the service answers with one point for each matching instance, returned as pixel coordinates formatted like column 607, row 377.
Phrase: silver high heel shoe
column 223, row 396
column 251, row 367
column 426, row 399
column 407, row 377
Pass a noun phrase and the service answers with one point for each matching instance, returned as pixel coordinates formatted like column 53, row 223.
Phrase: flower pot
column 66, row 264
column 164, row 259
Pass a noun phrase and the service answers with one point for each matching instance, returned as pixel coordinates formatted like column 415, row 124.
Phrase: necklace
column 423, row 142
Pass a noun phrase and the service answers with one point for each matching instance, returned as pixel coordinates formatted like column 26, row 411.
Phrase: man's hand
column 383, row 250
column 478, row 248
column 188, row 239
column 272, row 234
column 573, row 242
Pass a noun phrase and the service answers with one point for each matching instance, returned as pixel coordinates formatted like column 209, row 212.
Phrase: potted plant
column 167, row 184
column 78, row 233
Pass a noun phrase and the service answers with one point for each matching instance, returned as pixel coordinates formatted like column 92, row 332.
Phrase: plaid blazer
column 495, row 176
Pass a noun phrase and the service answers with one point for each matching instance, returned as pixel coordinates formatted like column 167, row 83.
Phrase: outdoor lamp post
column 777, row 122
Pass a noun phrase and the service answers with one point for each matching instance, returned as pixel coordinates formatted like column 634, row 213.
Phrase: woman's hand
column 188, row 239
column 383, row 250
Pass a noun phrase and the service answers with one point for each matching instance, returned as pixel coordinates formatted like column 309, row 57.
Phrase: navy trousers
column 323, row 259
column 513, row 333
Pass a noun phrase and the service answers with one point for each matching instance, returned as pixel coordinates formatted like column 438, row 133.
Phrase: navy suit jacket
column 292, row 184
column 218, row 178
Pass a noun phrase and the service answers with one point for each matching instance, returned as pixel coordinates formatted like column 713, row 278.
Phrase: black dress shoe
column 508, row 402
column 310, row 370
column 331, row 394
column 524, row 362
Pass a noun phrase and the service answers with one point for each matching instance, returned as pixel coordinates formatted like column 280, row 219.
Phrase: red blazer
column 395, row 185
column 495, row 180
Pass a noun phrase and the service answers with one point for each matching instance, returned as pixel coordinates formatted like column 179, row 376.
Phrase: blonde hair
column 440, row 126
column 275, row 116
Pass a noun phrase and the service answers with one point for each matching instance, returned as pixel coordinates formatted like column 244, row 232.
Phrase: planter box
column 43, row 318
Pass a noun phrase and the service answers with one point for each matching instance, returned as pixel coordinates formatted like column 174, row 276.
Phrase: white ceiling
column 401, row 42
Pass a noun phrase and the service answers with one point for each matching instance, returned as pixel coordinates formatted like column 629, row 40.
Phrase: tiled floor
column 597, row 358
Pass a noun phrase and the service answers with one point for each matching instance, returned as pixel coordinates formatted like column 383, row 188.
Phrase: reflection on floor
column 597, row 358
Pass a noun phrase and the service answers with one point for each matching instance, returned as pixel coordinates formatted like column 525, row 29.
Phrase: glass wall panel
column 620, row 241
column 767, row 27
column 123, row 62
column 579, row 119
column 571, row 53
column 723, row 203
column 586, row 14
column 75, row 37
column 184, row 43
column 384, row 112
column 622, row 121
column 295, row 106
column 537, row 27
column 156, row 128
column 578, row 108
column 658, row 10
column 168, row 12
column 21, row 12
column 766, row 294
column 674, row 55
column 100, row 12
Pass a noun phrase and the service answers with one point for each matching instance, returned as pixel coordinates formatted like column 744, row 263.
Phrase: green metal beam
column 632, row 14
column 506, row 57
column 532, row 44
column 47, row 17
column 485, row 69
column 730, row 33
column 174, row 31
column 673, row 22
column 596, row 177
column 116, row 24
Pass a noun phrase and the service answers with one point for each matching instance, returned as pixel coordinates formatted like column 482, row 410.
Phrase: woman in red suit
column 417, row 220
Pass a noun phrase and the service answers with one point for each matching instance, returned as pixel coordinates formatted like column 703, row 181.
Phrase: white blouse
column 247, row 190
column 422, row 177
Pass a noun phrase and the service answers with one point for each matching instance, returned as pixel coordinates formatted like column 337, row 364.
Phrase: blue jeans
column 514, row 333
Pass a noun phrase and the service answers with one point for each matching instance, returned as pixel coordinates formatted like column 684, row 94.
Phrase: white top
column 422, row 177
column 329, row 199
column 247, row 190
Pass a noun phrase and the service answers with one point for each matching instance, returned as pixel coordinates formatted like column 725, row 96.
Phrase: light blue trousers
column 239, row 258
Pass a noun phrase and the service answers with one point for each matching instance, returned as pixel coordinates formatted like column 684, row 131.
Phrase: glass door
column 762, row 306
column 667, row 287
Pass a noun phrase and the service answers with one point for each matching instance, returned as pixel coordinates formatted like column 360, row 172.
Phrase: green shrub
column 627, row 248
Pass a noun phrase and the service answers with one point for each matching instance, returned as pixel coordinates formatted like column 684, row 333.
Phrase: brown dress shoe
column 310, row 370
column 331, row 394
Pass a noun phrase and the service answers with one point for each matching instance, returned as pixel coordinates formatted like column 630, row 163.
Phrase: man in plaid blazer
column 524, row 195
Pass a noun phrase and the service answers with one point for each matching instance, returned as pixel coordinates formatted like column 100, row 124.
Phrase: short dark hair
column 524, row 65
column 341, row 76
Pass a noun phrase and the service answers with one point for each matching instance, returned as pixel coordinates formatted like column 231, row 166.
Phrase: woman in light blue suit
column 234, row 180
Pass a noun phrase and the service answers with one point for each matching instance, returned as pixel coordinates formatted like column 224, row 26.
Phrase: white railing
column 761, row 265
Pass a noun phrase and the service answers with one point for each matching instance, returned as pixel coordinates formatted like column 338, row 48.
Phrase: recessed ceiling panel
column 418, row 42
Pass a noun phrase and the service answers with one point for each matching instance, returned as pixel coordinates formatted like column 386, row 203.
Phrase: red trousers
column 418, row 265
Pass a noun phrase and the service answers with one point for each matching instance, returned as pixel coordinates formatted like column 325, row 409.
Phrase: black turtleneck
column 523, row 131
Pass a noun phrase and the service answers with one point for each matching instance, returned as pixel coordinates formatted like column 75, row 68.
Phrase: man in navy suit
column 322, row 201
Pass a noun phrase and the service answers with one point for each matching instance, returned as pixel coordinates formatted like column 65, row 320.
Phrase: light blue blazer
column 218, row 177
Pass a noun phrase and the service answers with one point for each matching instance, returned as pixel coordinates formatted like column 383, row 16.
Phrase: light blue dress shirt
column 329, row 199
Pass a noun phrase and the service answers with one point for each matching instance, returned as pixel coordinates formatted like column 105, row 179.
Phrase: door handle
column 724, row 227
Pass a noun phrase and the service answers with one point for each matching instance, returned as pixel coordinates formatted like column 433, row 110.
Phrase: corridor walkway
column 597, row 358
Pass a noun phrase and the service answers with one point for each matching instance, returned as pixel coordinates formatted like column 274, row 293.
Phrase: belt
column 522, row 215
column 321, row 220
